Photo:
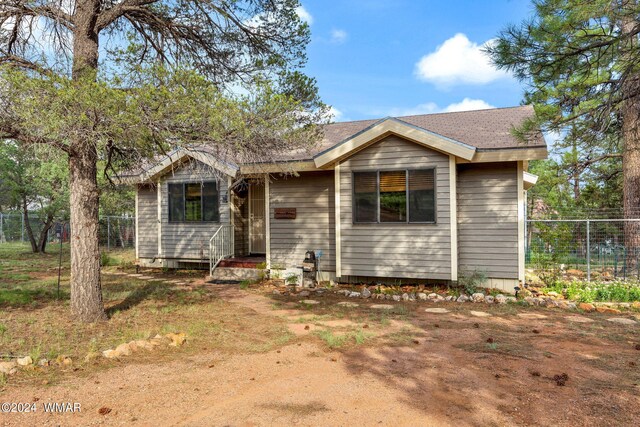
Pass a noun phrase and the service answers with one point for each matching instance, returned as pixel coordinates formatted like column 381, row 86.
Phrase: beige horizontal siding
column 312, row 195
column 147, row 221
column 488, row 219
column 190, row 239
column 417, row 251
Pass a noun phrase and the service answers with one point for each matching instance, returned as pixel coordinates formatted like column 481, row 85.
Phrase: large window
column 394, row 196
column 193, row 202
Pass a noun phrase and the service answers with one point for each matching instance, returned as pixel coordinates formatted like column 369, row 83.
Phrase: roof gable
column 392, row 126
column 178, row 156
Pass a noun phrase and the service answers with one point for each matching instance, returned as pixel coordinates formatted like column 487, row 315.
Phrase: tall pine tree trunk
column 630, row 113
column 86, row 291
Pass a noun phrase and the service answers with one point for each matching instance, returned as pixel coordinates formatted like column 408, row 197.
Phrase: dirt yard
column 262, row 359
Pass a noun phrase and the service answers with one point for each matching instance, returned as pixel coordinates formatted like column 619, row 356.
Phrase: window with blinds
column 193, row 202
column 404, row 196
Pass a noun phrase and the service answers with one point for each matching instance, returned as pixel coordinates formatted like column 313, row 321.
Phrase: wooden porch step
column 235, row 274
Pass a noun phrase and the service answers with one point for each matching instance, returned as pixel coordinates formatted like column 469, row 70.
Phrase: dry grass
column 36, row 323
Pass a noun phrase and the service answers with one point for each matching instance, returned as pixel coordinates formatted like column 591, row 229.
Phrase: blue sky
column 374, row 58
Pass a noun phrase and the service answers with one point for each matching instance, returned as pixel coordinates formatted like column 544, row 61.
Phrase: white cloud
column 304, row 14
column 458, row 60
column 335, row 114
column 338, row 36
column 467, row 104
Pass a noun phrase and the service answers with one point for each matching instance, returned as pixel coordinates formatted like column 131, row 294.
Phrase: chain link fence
column 590, row 249
column 115, row 232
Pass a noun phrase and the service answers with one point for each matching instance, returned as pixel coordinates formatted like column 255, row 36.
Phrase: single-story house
column 415, row 198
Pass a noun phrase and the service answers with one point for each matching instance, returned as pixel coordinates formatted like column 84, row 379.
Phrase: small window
column 422, row 196
column 393, row 196
column 193, row 202
column 365, row 196
column 404, row 196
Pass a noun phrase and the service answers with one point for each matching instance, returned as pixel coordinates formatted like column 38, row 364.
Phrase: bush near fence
column 580, row 249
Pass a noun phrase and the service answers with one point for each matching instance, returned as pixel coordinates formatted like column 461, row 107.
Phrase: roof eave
column 392, row 126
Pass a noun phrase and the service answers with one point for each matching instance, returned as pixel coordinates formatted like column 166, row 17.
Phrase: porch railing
column 220, row 246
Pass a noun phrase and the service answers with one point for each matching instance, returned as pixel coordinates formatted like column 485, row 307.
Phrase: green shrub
column 470, row 281
column 614, row 291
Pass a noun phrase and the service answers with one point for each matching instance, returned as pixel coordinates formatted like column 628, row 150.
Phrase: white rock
column 25, row 361
column 347, row 304
column 366, row 293
column 622, row 320
column 489, row 299
column 463, row 298
column 478, row 297
column 310, row 302
column 450, row 298
column 304, row 294
column 512, row 300
column 436, row 310
column 396, row 297
column 110, row 354
column 405, row 297
column 8, row 368
column 382, row 306
column 501, row 299
column 124, row 349
column 480, row 314
column 432, row 295
column 422, row 296
column 354, row 295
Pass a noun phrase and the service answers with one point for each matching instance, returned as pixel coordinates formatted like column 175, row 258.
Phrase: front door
column 257, row 237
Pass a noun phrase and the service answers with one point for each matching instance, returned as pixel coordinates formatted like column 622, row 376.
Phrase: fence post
column 108, row 234
column 588, row 252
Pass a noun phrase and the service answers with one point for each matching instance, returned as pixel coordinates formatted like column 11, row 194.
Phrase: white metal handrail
column 220, row 246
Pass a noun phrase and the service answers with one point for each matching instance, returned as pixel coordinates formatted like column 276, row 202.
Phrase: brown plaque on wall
column 285, row 213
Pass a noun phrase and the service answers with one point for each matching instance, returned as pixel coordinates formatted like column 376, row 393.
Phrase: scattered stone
column 421, row 296
column 489, row 299
column 63, row 360
column 177, row 339
column 92, row 355
column 405, row 297
column 123, row 349
column 622, row 321
column 354, row 295
column 463, row 298
column 275, row 292
column 24, row 361
column 480, row 314
column 571, row 305
column 501, row 299
column 8, row 368
column 366, row 293
column 608, row 310
column 552, row 294
column 512, row 300
column 43, row 362
column 585, row 306
column 310, row 302
column 636, row 305
column 348, row 304
column 111, row 354
column 382, row 306
column 432, row 296
column 304, row 294
column 412, row 296
column 436, row 310
column 532, row 316
column 478, row 297
column 396, row 297
column 450, row 298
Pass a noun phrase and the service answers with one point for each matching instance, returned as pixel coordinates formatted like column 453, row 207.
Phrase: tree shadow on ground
column 149, row 291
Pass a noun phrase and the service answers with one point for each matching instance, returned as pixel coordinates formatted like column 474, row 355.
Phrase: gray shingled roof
column 484, row 129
